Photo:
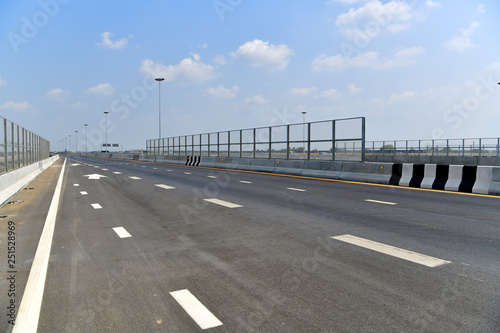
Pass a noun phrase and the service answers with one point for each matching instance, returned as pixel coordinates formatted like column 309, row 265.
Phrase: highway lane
column 270, row 265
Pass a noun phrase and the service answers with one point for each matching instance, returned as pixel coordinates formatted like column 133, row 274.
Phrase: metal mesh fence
column 481, row 147
column 20, row 147
column 338, row 140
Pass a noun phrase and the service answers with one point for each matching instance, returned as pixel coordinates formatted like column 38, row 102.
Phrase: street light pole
column 69, row 142
column 159, row 79
column 86, row 139
column 106, row 131
column 76, row 141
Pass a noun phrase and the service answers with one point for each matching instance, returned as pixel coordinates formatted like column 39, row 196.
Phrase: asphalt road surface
column 143, row 247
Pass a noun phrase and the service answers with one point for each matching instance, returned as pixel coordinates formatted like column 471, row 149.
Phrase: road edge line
column 31, row 302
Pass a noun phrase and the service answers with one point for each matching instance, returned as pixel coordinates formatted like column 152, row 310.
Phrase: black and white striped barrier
column 193, row 160
column 458, row 178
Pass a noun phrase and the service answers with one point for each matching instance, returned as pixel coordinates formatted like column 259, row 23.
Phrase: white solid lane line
column 392, row 251
column 381, row 202
column 245, row 182
column 296, row 189
column 223, row 203
column 121, row 232
column 96, row 206
column 166, row 187
column 134, row 177
column 83, row 193
column 195, row 309
column 31, row 302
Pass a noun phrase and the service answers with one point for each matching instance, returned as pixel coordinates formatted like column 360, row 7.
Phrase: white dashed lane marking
column 117, row 173
column 166, row 187
column 83, row 193
column 121, row 232
column 296, row 189
column 187, row 173
column 134, row 177
column 213, row 177
column 245, row 182
column 392, row 251
column 76, row 184
column 223, row 203
column 96, row 206
column 381, row 202
column 195, row 309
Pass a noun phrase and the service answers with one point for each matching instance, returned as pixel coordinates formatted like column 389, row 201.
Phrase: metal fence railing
column 337, row 140
column 483, row 147
column 20, row 147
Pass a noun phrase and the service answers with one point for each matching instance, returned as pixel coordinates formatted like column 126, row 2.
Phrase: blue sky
column 415, row 69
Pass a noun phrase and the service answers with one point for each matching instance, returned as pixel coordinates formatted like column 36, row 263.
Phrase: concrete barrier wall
column 458, row 178
column 13, row 182
column 462, row 178
column 445, row 160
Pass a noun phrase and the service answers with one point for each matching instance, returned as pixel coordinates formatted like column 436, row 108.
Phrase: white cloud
column 353, row 89
column 374, row 17
column 261, row 54
column 102, row 89
column 395, row 98
column 188, row 70
column 58, row 95
column 56, row 91
column 303, row 91
column 345, row 2
column 223, row 92
column 463, row 41
column 481, row 9
column 15, row 106
column 332, row 93
column 256, row 99
column 107, row 43
column 3, row 82
column 404, row 57
column 493, row 67
column 432, row 4
column 220, row 60
column 369, row 59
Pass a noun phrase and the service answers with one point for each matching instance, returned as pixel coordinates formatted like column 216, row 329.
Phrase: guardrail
column 337, row 140
column 482, row 147
column 20, row 147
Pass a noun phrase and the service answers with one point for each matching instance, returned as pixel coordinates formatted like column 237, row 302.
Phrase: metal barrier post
column 333, row 141
column 498, row 146
column 287, row 142
column 363, row 152
column 270, row 142
column 241, row 143
column 5, row 145
column 254, row 143
column 308, row 141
